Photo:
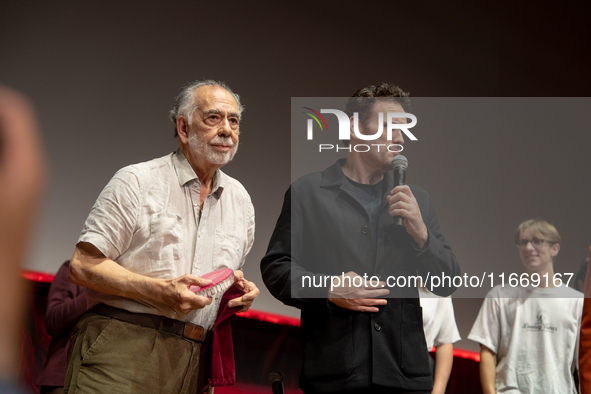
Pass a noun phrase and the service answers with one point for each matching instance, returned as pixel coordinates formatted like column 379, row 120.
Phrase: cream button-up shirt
column 147, row 220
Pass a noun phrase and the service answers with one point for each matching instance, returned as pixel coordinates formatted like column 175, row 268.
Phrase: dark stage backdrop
column 103, row 76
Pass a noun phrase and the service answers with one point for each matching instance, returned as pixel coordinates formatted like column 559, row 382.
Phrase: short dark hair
column 364, row 99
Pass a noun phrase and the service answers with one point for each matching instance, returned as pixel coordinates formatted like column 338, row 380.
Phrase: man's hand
column 361, row 299
column 89, row 267
column 252, row 292
column 403, row 203
column 178, row 296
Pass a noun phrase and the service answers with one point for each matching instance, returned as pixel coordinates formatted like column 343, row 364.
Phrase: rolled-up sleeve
column 112, row 220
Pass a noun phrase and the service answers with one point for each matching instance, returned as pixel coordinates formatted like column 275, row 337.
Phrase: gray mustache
column 222, row 141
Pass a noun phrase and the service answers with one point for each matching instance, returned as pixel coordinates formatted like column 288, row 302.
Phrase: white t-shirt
column 439, row 321
column 535, row 334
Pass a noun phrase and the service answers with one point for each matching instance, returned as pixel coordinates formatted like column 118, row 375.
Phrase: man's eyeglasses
column 536, row 242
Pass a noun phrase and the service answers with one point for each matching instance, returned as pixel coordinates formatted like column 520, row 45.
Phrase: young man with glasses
column 529, row 335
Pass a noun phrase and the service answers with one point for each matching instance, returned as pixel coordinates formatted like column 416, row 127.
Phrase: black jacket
column 322, row 231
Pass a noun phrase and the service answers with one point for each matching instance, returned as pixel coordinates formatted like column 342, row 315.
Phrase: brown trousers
column 111, row 356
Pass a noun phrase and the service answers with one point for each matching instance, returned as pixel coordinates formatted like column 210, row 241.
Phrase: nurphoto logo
column 344, row 127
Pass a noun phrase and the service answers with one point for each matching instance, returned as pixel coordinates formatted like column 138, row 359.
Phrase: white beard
column 204, row 149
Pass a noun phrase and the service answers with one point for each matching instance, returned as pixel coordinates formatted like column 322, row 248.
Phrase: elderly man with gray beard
column 155, row 229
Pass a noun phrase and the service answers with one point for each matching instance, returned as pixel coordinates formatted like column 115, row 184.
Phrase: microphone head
column 275, row 376
column 400, row 161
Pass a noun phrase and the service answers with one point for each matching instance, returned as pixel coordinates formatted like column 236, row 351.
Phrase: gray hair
column 184, row 103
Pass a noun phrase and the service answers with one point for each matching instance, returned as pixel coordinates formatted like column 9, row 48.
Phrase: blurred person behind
column 22, row 176
column 66, row 303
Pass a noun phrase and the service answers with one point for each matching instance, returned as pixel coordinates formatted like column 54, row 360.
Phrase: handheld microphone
column 276, row 379
column 399, row 165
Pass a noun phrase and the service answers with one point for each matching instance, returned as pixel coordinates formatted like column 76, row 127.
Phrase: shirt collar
column 334, row 176
column 185, row 173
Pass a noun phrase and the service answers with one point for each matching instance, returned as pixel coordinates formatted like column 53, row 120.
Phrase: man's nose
column 397, row 137
column 225, row 128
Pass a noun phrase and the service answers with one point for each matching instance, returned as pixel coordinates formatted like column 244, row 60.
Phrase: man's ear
column 182, row 128
column 554, row 249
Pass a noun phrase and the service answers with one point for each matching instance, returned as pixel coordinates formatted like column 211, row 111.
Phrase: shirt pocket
column 328, row 347
column 165, row 243
column 226, row 251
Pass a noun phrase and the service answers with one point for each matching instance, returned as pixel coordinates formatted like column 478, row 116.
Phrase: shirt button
column 377, row 327
column 364, row 229
column 195, row 204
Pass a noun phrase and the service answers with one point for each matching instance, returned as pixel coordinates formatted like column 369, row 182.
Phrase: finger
column 195, row 280
column 376, row 293
column 251, row 295
column 370, row 290
column 378, row 285
column 244, row 308
column 192, row 302
column 238, row 275
column 201, row 300
column 410, row 219
column 234, row 303
column 399, row 197
column 253, row 291
column 187, row 296
column 402, row 189
column 242, row 284
column 362, row 308
column 409, row 206
column 363, row 293
column 400, row 212
column 373, row 293
column 238, row 302
column 369, row 302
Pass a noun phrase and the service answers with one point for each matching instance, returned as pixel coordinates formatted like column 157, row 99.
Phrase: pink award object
column 221, row 280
